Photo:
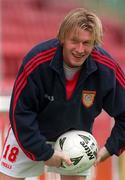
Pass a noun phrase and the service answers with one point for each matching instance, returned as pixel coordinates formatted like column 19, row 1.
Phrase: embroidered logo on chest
column 88, row 98
column 50, row 98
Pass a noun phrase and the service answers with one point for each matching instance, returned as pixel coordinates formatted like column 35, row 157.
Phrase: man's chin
column 78, row 63
column 75, row 65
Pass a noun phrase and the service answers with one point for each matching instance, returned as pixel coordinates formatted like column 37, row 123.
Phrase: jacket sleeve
column 24, row 108
column 114, row 104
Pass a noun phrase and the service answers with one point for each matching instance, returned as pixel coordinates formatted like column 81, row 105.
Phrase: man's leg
column 5, row 177
column 73, row 177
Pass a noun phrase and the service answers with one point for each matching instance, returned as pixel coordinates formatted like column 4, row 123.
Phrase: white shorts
column 15, row 163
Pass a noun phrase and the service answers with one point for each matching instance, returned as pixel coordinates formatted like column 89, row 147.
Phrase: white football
column 81, row 147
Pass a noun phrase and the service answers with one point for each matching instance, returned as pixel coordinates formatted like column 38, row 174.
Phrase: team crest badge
column 88, row 98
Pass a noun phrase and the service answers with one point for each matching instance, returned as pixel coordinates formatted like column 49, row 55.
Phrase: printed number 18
column 11, row 153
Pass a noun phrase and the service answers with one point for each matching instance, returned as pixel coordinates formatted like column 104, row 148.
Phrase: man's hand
column 57, row 158
column 102, row 155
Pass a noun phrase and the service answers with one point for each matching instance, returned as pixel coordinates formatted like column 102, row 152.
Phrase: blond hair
column 84, row 19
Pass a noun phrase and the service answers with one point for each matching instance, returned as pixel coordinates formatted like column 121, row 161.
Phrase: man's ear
column 62, row 42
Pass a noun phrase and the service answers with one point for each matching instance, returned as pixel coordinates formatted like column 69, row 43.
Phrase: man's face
column 77, row 46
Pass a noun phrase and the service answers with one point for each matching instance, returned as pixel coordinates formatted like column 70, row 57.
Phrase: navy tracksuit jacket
column 40, row 111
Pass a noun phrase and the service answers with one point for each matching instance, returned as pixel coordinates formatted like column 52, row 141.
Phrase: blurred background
column 25, row 23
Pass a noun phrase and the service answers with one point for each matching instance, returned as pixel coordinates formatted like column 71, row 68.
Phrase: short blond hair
column 84, row 19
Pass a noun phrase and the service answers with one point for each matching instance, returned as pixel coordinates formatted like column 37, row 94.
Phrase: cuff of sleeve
column 48, row 154
column 109, row 149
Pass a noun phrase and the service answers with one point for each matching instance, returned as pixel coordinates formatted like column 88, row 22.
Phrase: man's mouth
column 78, row 56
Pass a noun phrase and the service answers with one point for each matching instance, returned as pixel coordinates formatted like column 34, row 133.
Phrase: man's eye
column 87, row 43
column 74, row 41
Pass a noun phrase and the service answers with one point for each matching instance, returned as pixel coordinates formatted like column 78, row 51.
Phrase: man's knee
column 6, row 177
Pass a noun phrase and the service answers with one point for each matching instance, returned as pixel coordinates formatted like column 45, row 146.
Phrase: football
column 81, row 147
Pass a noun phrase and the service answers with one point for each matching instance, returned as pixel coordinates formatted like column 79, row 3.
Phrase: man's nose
column 80, row 48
